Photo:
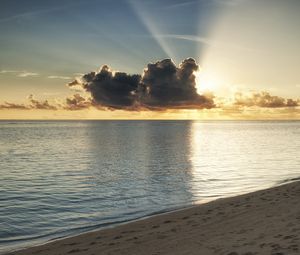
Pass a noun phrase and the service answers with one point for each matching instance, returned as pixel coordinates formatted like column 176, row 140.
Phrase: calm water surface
column 61, row 178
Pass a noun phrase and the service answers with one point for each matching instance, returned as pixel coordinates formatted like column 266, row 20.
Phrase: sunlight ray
column 144, row 16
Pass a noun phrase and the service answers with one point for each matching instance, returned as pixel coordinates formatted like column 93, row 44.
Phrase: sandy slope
column 263, row 222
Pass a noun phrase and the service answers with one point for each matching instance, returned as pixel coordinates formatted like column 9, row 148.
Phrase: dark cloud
column 74, row 83
column 166, row 86
column 112, row 90
column 264, row 99
column 163, row 85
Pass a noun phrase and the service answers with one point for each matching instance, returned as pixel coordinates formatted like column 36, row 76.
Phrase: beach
column 262, row 222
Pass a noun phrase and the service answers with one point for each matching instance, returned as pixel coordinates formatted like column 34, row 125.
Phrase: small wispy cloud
column 30, row 14
column 27, row 74
column 188, row 38
column 182, row 4
column 27, row 14
column 18, row 73
column 59, row 77
column 207, row 41
column 229, row 2
column 193, row 2
column 78, row 74
column 8, row 71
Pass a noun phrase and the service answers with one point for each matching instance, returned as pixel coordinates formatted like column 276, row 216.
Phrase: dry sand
column 263, row 222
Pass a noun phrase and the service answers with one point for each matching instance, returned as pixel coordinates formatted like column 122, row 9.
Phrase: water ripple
column 61, row 178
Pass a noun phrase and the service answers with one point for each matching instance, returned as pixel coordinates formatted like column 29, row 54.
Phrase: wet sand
column 263, row 222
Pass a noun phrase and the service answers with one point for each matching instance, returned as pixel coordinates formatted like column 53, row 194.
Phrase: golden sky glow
column 229, row 113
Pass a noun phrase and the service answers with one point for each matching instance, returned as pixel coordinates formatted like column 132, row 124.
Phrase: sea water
column 61, row 178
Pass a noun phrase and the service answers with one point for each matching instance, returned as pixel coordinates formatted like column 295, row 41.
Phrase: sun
column 205, row 82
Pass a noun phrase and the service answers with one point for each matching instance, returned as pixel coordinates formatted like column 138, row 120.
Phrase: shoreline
column 111, row 225
column 106, row 226
column 261, row 222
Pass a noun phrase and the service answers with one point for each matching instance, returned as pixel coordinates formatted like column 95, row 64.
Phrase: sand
column 263, row 222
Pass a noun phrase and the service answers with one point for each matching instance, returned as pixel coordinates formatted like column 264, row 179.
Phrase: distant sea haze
column 60, row 178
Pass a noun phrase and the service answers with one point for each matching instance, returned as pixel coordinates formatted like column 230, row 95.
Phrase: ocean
column 62, row 178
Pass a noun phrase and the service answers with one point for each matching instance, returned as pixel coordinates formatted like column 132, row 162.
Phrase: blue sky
column 76, row 36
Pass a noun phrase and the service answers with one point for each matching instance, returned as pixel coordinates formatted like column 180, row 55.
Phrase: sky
column 103, row 59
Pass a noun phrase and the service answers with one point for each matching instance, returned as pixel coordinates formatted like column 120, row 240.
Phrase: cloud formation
column 77, row 102
column 32, row 104
column 112, row 90
column 8, row 105
column 264, row 99
column 163, row 85
column 72, row 103
column 43, row 105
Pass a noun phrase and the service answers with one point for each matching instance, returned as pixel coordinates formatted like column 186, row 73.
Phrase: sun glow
column 206, row 82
